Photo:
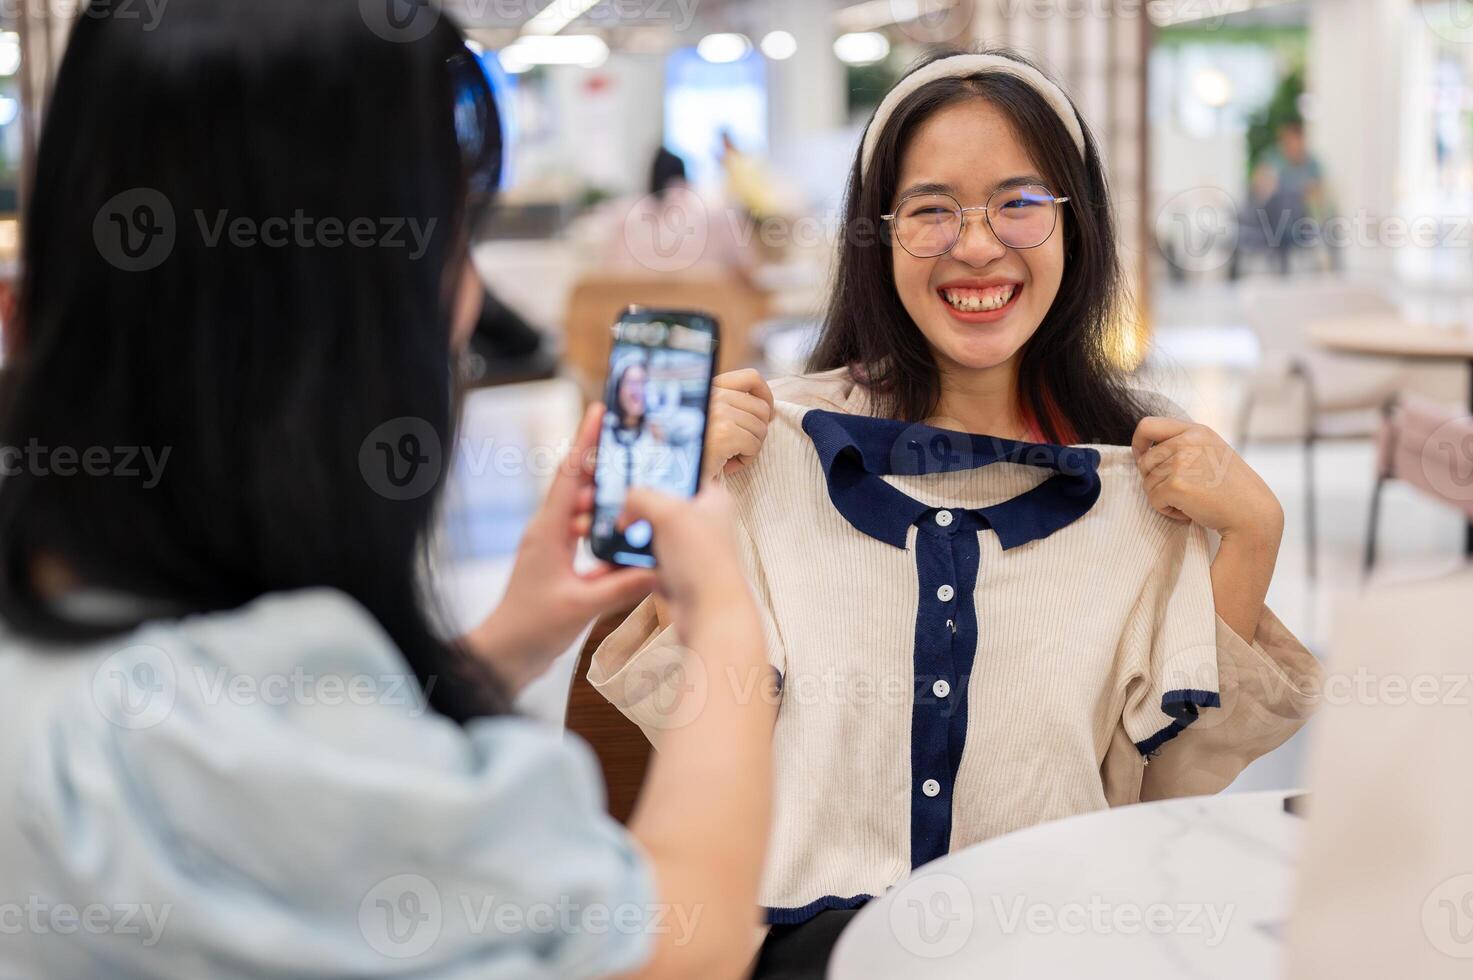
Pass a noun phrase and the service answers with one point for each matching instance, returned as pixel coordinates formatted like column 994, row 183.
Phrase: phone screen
column 654, row 427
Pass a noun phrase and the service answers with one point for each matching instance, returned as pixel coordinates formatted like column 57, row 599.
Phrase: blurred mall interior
column 1191, row 100
column 1294, row 184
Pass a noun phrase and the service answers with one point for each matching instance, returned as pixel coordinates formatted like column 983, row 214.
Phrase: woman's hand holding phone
column 547, row 603
column 701, row 580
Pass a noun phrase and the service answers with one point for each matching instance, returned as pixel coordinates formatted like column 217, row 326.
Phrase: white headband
column 960, row 66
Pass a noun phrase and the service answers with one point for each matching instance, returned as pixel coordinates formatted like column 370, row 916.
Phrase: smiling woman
column 1002, row 271
column 967, row 532
column 972, row 138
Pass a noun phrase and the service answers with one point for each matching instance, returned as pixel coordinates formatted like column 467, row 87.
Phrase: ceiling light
column 779, row 45
column 585, row 50
column 720, row 49
column 9, row 53
column 1212, row 87
column 863, row 48
column 557, row 15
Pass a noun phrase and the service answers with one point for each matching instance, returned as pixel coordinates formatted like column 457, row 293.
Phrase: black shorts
column 801, row 952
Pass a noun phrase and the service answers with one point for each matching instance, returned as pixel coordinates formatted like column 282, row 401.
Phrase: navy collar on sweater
column 856, row 450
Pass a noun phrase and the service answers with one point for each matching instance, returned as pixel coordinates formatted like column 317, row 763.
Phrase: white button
column 941, row 689
column 945, row 593
column 930, row 787
column 943, row 517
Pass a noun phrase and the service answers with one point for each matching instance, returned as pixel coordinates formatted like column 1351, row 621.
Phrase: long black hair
column 1069, row 384
column 617, row 392
column 241, row 250
column 665, row 169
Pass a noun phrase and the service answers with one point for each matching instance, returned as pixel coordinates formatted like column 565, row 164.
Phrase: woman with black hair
column 647, row 442
column 984, row 561
column 626, row 429
column 237, row 743
column 667, row 171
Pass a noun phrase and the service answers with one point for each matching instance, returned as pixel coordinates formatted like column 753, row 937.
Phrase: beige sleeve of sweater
column 644, row 670
column 1267, row 688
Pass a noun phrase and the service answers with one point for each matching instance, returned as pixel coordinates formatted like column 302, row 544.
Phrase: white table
column 1195, row 888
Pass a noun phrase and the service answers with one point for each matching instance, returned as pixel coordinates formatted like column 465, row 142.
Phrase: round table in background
column 1196, row 887
column 1388, row 335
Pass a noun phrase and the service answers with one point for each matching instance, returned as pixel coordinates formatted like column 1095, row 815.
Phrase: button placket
column 942, row 554
column 940, row 688
column 946, row 594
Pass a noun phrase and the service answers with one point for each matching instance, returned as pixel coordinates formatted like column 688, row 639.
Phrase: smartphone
column 656, row 401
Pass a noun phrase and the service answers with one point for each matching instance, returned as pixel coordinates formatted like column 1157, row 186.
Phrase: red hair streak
column 1055, row 417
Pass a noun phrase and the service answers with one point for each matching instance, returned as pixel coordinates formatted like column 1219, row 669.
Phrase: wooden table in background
column 1380, row 335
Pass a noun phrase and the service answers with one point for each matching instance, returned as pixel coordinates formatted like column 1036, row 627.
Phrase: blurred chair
column 1258, row 234
column 598, row 299
column 1426, row 445
column 505, row 348
column 623, row 751
column 1302, row 392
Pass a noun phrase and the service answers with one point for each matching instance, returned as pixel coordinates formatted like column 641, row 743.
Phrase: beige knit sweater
column 918, row 717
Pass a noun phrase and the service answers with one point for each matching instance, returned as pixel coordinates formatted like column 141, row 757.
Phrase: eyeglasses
column 928, row 225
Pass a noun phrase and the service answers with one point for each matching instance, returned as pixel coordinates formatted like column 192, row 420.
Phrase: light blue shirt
column 263, row 792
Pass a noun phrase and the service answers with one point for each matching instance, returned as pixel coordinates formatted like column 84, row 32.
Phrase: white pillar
column 806, row 93
column 610, row 120
column 1355, row 76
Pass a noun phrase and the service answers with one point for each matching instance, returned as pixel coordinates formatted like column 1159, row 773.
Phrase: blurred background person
column 757, row 193
column 673, row 229
column 1288, row 203
column 748, row 182
column 505, row 348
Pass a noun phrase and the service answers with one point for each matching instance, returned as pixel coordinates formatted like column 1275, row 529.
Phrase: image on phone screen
column 654, row 427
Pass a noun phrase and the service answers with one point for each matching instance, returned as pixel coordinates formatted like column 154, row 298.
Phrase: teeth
column 979, row 300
